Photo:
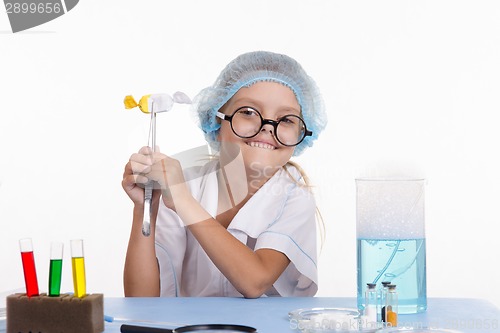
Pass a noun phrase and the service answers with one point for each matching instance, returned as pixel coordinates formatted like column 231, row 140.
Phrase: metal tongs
column 148, row 188
column 153, row 104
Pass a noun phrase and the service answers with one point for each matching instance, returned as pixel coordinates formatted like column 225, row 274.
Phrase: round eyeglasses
column 246, row 122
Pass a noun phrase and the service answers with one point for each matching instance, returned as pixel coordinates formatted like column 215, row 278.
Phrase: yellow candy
column 130, row 103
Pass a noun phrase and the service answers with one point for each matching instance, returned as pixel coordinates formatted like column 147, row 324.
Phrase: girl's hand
column 135, row 176
column 165, row 172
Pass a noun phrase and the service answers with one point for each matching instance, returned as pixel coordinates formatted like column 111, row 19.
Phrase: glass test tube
column 29, row 269
column 78, row 265
column 55, row 269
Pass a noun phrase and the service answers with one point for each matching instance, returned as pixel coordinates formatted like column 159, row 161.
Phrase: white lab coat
column 279, row 216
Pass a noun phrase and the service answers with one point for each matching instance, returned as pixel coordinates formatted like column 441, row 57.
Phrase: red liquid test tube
column 28, row 259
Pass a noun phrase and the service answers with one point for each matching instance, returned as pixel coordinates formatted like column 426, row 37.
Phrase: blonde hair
column 306, row 183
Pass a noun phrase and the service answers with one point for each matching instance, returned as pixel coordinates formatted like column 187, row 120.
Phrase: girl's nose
column 270, row 128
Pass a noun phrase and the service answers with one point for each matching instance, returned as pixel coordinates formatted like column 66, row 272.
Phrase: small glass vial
column 391, row 306
column 382, row 292
column 371, row 303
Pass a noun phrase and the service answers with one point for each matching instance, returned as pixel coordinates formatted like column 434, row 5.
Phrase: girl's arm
column 251, row 273
column 141, row 273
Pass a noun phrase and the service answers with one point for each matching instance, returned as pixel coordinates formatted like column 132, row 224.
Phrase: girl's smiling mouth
column 261, row 144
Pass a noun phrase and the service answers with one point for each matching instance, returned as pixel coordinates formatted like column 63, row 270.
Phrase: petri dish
column 328, row 320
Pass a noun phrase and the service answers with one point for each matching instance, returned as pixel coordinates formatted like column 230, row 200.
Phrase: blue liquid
column 400, row 261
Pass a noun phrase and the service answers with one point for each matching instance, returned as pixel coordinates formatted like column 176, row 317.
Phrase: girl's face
column 262, row 154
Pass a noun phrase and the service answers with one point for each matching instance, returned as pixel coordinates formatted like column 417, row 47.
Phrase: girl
column 244, row 223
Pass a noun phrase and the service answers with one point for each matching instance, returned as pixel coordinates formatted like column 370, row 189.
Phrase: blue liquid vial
column 401, row 261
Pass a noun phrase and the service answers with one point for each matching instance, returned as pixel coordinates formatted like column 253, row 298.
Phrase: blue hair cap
column 261, row 66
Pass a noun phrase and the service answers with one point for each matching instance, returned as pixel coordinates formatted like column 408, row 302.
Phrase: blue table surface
column 270, row 315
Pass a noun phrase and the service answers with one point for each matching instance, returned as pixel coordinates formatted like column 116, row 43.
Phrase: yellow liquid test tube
column 78, row 266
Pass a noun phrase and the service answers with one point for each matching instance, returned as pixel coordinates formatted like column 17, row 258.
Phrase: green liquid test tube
column 55, row 269
column 78, row 265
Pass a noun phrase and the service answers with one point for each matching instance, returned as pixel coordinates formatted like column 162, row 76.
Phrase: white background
column 411, row 87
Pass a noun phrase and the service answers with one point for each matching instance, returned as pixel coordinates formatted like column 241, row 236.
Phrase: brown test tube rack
column 48, row 314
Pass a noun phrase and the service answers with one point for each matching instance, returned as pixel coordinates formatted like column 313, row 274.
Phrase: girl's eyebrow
column 246, row 101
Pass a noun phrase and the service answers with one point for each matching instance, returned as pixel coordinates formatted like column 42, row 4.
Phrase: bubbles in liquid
column 390, row 209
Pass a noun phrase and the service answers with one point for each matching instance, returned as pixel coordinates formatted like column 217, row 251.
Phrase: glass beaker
column 390, row 232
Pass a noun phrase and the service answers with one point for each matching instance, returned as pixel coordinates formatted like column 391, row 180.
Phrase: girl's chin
column 263, row 164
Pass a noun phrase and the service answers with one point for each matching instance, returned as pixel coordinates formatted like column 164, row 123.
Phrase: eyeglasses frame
column 263, row 121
